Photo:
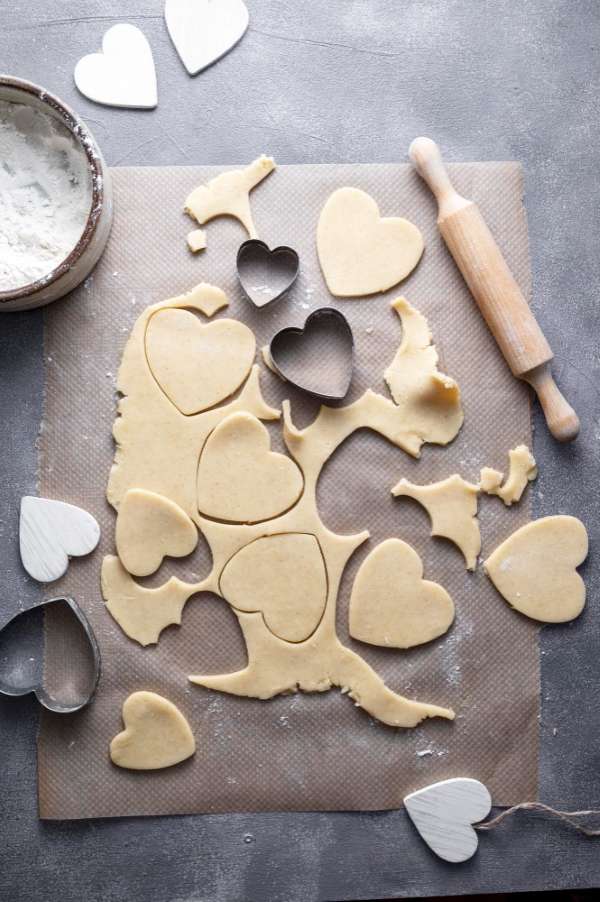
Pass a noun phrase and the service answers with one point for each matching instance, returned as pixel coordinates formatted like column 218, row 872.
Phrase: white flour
column 45, row 194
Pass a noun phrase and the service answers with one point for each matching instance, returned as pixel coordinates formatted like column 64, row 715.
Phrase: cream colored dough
column 149, row 528
column 206, row 298
column 522, row 469
column 196, row 365
column 392, row 605
column 284, row 578
column 360, row 253
column 156, row 734
column 228, row 194
column 452, row 508
column 158, row 449
column 240, row 479
column 196, row 241
column 535, row 569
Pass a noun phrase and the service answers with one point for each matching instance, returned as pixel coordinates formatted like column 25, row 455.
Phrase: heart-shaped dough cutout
column 52, row 531
column 205, row 30
column 156, row 734
column 535, row 568
column 149, row 528
column 444, row 812
column 392, row 605
column 360, row 253
column 197, row 365
column 123, row 73
column 240, row 480
column 283, row 576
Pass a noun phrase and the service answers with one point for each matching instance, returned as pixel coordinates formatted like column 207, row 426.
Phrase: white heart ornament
column 444, row 812
column 205, row 30
column 52, row 531
column 123, row 73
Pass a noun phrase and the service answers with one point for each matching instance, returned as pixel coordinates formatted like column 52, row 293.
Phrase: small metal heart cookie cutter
column 23, row 664
column 266, row 275
column 317, row 358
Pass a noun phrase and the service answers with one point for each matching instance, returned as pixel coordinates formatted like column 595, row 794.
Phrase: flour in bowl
column 45, row 194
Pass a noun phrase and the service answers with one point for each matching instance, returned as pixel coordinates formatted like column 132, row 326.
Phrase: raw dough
column 429, row 400
column 158, row 449
column 208, row 299
column 284, row 578
column 149, row 528
column 228, row 194
column 391, row 603
column 196, row 240
column 197, row 365
column 522, row 469
column 143, row 613
column 156, row 734
column 360, row 253
column 452, row 508
column 535, row 568
column 240, row 480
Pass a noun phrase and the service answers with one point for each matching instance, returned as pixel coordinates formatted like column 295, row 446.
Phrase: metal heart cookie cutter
column 266, row 275
column 317, row 358
column 23, row 662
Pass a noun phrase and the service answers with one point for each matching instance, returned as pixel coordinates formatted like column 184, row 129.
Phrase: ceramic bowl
column 84, row 256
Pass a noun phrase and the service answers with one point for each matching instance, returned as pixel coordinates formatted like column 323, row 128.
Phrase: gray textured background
column 339, row 81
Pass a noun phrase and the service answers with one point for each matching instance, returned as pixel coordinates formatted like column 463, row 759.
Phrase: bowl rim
column 86, row 141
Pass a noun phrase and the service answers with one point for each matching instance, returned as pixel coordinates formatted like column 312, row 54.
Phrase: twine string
column 567, row 817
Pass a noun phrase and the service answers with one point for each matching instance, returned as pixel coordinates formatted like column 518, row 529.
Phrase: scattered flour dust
column 45, row 194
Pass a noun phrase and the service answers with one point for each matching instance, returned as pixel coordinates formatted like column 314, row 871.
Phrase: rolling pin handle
column 427, row 160
column 562, row 420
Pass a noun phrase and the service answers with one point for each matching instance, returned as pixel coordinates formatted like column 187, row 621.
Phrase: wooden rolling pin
column 493, row 286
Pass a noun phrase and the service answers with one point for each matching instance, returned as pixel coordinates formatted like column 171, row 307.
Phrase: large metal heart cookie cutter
column 266, row 275
column 318, row 357
column 24, row 665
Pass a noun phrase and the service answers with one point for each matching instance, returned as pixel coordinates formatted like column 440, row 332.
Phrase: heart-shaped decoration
column 22, row 656
column 197, row 365
column 535, row 568
column 360, row 253
column 52, row 531
column 264, row 576
column 123, row 73
column 149, row 528
column 266, row 275
column 444, row 812
column 156, row 734
column 392, row 605
column 205, row 30
column 240, row 480
column 317, row 358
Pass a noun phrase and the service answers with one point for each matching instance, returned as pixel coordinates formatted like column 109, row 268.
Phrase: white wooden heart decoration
column 52, row 531
column 205, row 30
column 444, row 812
column 123, row 73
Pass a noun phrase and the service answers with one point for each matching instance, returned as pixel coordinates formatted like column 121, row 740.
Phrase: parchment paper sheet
column 317, row 751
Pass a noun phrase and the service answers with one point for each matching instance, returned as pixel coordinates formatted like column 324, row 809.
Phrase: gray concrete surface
column 343, row 80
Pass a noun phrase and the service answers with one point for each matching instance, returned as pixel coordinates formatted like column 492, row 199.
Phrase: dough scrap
column 284, row 578
column 198, row 365
column 428, row 399
column 392, row 605
column 143, row 613
column 535, row 568
column 228, row 194
column 158, row 449
column 149, row 528
column 361, row 253
column 240, row 480
column 208, row 299
column 522, row 469
column 452, row 508
column 196, row 240
column 156, row 734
